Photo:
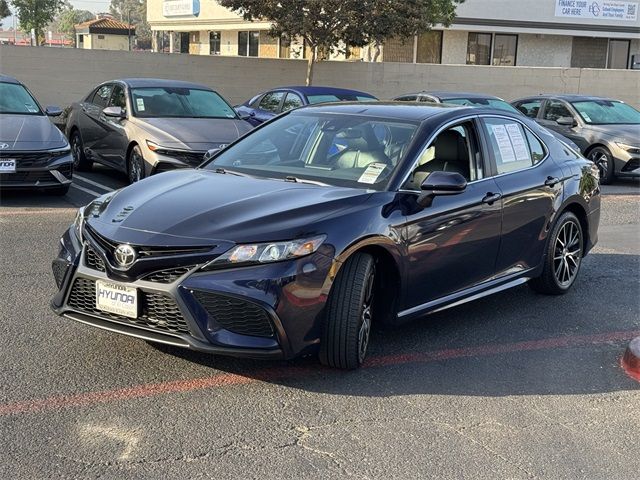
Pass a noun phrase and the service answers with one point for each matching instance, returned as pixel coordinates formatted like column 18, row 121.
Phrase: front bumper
column 265, row 311
column 626, row 163
column 37, row 170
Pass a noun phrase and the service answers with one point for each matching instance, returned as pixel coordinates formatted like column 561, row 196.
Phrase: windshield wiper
column 302, row 180
column 230, row 172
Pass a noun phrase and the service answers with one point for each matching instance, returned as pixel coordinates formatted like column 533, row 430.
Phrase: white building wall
column 544, row 50
column 454, row 47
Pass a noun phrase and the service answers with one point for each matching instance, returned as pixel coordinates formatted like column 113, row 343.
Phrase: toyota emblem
column 4, row 146
column 125, row 255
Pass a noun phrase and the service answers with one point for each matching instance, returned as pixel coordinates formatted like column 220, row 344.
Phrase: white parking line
column 86, row 190
column 95, row 184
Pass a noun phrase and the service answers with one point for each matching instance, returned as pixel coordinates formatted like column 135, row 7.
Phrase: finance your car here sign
column 180, row 8
column 598, row 9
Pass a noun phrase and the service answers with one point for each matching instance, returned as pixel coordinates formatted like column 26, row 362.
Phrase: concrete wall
column 61, row 76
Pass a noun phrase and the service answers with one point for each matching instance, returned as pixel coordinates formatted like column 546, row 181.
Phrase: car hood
column 30, row 132
column 625, row 132
column 200, row 207
column 193, row 133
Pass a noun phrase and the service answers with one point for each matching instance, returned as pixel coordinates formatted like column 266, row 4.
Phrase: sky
column 94, row 6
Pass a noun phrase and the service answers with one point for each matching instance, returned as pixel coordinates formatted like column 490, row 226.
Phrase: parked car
column 33, row 152
column 279, row 247
column 471, row 100
column 606, row 130
column 143, row 126
column 267, row 105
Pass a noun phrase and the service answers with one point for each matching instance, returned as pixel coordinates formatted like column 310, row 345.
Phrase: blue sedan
column 267, row 105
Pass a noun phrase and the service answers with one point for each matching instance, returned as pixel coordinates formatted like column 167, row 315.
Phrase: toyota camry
column 299, row 237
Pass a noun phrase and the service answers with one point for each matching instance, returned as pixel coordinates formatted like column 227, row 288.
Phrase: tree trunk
column 377, row 52
column 310, row 65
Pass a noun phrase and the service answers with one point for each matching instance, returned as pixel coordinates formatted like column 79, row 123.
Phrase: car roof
column 453, row 95
column 158, row 82
column 320, row 90
column 396, row 110
column 567, row 97
column 8, row 79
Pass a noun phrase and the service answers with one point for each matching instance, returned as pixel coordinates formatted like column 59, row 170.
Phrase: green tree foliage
column 36, row 15
column 331, row 25
column 133, row 12
column 4, row 9
column 66, row 21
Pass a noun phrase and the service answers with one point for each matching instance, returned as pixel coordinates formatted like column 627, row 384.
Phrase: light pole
column 129, row 28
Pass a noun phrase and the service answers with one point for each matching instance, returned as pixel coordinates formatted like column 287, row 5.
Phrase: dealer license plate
column 7, row 165
column 117, row 298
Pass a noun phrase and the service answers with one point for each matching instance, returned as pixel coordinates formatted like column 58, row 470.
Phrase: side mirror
column 567, row 121
column 53, row 111
column 209, row 154
column 440, row 183
column 114, row 112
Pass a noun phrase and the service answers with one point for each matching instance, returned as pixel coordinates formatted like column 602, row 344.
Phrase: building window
column 100, row 37
column 284, row 48
column 80, row 40
column 479, row 49
column 429, row 47
column 214, row 43
column 504, row 49
column 184, row 42
column 618, row 56
column 248, row 43
column 587, row 52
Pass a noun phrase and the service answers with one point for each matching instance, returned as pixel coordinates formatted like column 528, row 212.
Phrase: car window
column 102, row 95
column 426, row 99
column 556, row 109
column 456, row 149
column 14, row 98
column 607, row 112
column 118, row 98
column 291, row 101
column 407, row 98
column 271, row 101
column 513, row 146
column 530, row 108
column 179, row 102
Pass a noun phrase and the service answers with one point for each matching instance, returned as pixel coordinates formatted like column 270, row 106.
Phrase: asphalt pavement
column 516, row 385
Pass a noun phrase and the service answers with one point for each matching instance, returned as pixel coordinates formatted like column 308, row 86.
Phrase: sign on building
column 180, row 8
column 598, row 9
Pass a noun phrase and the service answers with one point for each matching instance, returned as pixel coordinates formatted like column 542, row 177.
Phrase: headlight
column 258, row 253
column 154, row 147
column 635, row 149
column 78, row 223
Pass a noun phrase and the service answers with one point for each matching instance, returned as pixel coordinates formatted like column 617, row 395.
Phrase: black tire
column 603, row 159
column 135, row 165
column 58, row 191
column 80, row 160
column 563, row 257
column 348, row 316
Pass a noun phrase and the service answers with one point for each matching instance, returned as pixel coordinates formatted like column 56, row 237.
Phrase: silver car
column 143, row 126
column 607, row 131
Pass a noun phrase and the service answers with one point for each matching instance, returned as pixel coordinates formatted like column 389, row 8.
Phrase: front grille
column 158, row 311
column 93, row 260
column 631, row 165
column 59, row 270
column 26, row 177
column 190, row 158
column 167, row 276
column 236, row 315
column 66, row 170
column 28, row 159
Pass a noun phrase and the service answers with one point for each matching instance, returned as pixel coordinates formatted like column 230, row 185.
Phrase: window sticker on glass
column 586, row 117
column 504, row 144
column 517, row 141
column 140, row 104
column 31, row 108
column 371, row 174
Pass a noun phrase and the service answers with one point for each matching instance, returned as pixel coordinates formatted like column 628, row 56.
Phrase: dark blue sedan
column 283, row 245
column 267, row 105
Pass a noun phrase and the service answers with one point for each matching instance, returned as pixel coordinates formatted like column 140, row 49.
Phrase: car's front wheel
column 135, row 165
column 563, row 259
column 80, row 160
column 603, row 159
column 349, row 314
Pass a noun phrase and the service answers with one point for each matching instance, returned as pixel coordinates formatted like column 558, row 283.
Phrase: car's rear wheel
column 349, row 314
column 603, row 159
column 80, row 160
column 135, row 165
column 563, row 259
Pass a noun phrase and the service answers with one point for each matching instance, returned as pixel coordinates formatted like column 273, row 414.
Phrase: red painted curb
column 631, row 359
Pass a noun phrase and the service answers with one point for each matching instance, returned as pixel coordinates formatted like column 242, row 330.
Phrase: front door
column 115, row 141
column 556, row 109
column 91, row 125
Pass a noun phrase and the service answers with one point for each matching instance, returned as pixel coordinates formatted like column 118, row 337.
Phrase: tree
column 4, row 9
column 67, row 20
column 133, row 12
column 36, row 15
column 328, row 26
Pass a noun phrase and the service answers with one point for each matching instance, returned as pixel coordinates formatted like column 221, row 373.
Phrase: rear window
column 330, row 98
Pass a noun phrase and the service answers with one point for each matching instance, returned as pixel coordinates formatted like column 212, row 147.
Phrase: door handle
column 551, row 181
column 491, row 197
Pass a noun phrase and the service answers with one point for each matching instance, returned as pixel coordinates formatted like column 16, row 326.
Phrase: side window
column 453, row 150
column 513, row 146
column 271, row 101
column 530, row 108
column 555, row 109
column 101, row 98
column 118, row 98
column 425, row 99
column 292, row 101
column 408, row 98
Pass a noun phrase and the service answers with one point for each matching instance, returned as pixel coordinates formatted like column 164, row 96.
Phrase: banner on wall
column 598, row 9
column 180, row 8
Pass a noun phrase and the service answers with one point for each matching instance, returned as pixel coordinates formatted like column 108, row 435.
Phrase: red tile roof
column 107, row 23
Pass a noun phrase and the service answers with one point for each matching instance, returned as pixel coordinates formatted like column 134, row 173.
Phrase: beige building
column 549, row 33
column 105, row 34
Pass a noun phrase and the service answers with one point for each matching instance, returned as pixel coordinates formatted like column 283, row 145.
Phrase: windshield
column 607, row 112
column 151, row 102
column 339, row 97
column 483, row 102
column 342, row 150
column 15, row 99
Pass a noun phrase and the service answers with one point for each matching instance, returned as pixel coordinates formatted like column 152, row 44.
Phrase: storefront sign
column 598, row 9
column 180, row 8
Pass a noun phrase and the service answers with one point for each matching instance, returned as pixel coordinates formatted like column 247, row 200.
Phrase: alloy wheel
column 135, row 167
column 365, row 323
column 602, row 162
column 76, row 150
column 567, row 254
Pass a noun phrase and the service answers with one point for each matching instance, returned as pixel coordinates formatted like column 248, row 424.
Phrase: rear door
column 531, row 184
